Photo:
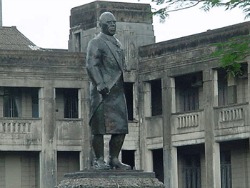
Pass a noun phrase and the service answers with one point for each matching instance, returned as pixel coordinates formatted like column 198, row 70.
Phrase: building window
column 71, row 103
column 153, row 97
column 128, row 157
column 156, row 97
column 187, row 92
column 128, row 88
column 231, row 89
column 190, row 99
column 78, row 45
column 35, row 103
column 26, row 173
column 226, row 175
column 66, row 103
column 192, row 171
column 158, row 164
column 20, row 102
column 12, row 102
column 67, row 162
column 222, row 88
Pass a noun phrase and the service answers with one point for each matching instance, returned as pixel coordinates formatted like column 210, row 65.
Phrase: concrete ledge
column 110, row 179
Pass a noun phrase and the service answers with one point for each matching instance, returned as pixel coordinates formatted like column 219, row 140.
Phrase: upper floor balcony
column 230, row 122
column 20, row 133
column 229, row 119
column 188, row 127
column 22, row 118
column 229, row 114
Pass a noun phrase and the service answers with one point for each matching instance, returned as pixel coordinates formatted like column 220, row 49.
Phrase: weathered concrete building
column 188, row 122
column 204, row 121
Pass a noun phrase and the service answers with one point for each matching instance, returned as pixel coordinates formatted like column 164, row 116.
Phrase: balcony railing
column 19, row 126
column 15, row 127
column 231, row 116
column 187, row 122
column 20, row 133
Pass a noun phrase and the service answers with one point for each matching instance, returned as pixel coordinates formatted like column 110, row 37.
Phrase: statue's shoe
column 114, row 163
column 100, row 164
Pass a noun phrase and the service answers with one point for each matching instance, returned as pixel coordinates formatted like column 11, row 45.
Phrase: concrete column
column 169, row 152
column 147, row 99
column 85, row 157
column 144, row 111
column 212, row 149
column 135, row 100
column 137, row 160
column 48, row 157
column 148, row 161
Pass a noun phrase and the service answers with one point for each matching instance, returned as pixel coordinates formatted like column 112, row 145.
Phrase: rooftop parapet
column 192, row 41
column 87, row 15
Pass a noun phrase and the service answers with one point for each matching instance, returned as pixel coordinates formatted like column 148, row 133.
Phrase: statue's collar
column 111, row 39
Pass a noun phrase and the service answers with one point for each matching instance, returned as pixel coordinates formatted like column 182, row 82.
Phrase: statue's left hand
column 103, row 89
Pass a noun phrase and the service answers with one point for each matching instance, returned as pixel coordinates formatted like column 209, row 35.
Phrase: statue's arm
column 94, row 65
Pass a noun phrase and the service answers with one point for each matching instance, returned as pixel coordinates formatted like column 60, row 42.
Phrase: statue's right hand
column 103, row 89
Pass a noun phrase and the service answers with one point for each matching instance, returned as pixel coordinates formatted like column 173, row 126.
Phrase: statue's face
column 108, row 24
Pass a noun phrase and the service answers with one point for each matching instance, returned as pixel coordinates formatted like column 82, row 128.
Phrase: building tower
column 134, row 26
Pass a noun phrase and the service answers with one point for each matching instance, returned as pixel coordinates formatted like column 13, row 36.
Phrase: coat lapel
column 116, row 52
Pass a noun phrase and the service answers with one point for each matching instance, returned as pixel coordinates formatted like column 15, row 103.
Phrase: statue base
column 110, row 179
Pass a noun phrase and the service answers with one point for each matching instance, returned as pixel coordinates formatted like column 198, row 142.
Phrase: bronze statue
column 108, row 113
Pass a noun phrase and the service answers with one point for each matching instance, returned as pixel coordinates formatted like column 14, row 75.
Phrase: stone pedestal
column 110, row 179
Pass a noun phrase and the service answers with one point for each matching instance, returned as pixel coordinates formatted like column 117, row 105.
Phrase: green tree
column 164, row 7
column 232, row 53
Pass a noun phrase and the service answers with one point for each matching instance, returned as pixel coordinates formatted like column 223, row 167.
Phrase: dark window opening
column 156, row 97
column 67, row 162
column 158, row 164
column 190, row 99
column 226, row 174
column 128, row 157
column 12, row 102
column 18, row 102
column 78, row 42
column 128, row 88
column 35, row 103
column 70, row 103
column 187, row 89
column 191, row 171
column 28, row 163
column 227, row 93
column 222, row 88
column 244, row 71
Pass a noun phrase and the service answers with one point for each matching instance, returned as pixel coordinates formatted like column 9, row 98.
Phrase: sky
column 46, row 22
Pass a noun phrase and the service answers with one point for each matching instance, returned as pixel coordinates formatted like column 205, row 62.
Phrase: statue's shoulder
column 97, row 40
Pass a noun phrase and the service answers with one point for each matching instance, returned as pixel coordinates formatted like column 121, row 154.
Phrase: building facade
column 188, row 120
column 204, row 121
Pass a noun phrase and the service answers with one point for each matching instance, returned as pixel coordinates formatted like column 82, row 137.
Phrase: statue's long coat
column 105, row 64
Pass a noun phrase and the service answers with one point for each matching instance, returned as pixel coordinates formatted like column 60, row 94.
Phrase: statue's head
column 107, row 23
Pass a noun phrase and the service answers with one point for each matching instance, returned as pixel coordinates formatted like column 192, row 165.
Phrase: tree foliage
column 164, row 7
column 232, row 53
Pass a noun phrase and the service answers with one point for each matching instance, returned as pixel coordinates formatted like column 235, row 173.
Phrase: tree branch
column 174, row 10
